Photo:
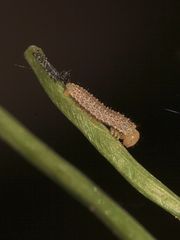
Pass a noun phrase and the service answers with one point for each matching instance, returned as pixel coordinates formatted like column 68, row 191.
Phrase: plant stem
column 102, row 140
column 64, row 174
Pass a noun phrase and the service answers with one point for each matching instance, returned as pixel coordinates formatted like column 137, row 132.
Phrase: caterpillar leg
column 115, row 133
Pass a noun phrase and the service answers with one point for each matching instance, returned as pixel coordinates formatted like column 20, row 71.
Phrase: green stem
column 102, row 140
column 64, row 174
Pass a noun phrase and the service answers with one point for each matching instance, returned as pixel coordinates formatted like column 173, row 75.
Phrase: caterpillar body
column 120, row 126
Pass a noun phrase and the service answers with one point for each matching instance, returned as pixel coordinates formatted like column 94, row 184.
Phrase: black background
column 128, row 54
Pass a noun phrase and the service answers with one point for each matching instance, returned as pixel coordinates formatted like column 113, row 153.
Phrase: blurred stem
column 102, row 140
column 64, row 174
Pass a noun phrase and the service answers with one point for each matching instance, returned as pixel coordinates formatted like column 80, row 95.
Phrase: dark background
column 128, row 54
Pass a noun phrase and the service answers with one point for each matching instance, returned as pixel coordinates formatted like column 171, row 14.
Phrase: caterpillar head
column 131, row 139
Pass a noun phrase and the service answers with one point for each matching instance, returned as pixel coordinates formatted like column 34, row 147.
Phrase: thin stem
column 102, row 140
column 73, row 181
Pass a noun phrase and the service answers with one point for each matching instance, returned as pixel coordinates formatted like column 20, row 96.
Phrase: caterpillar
column 120, row 126
column 50, row 69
